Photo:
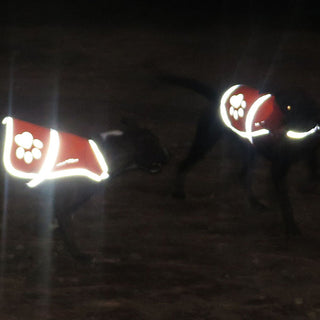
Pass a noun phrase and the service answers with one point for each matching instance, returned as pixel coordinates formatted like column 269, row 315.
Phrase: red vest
column 249, row 113
column 38, row 153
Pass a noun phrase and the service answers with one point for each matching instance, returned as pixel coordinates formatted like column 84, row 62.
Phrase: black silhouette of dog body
column 133, row 147
column 282, row 128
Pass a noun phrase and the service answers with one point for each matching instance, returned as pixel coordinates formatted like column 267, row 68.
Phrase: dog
column 283, row 128
column 132, row 148
column 61, row 163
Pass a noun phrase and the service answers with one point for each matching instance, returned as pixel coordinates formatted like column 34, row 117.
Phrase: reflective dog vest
column 249, row 113
column 38, row 153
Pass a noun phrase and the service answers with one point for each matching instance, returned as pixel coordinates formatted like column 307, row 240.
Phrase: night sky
column 175, row 13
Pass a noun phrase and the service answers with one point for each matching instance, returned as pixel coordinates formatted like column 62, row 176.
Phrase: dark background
column 81, row 67
column 298, row 12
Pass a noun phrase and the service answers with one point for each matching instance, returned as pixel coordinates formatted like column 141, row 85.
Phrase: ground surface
column 208, row 257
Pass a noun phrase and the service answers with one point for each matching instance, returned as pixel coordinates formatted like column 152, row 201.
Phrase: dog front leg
column 208, row 133
column 64, row 216
column 279, row 175
column 246, row 176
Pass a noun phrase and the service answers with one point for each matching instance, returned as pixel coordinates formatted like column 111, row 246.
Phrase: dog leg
column 246, row 177
column 64, row 218
column 208, row 133
column 279, row 173
column 65, row 227
column 310, row 185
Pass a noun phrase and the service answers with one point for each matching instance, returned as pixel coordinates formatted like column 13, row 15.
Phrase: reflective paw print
column 238, row 104
column 29, row 148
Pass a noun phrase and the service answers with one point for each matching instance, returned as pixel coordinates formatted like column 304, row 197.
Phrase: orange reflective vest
column 38, row 153
column 249, row 113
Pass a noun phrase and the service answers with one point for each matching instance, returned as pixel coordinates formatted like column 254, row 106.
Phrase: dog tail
column 190, row 83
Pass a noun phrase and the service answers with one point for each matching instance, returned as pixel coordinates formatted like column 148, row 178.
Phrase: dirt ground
column 210, row 256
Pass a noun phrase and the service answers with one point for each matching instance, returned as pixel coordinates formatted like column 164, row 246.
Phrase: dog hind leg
column 207, row 134
column 279, row 171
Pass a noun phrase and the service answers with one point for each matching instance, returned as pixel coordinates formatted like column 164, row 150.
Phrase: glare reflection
column 46, row 212
column 5, row 189
column 4, row 233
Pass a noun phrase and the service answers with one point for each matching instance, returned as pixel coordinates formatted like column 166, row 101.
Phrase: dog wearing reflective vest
column 283, row 128
column 39, row 155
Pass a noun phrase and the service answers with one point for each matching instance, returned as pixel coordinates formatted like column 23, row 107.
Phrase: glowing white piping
column 82, row 171
column 68, row 161
column 100, row 159
column 223, row 111
column 116, row 133
column 250, row 117
column 8, row 121
column 300, row 135
column 248, row 134
column 49, row 161
column 75, row 172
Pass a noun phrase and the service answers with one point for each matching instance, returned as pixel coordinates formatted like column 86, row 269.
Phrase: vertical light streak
column 47, row 211
column 4, row 219
column 4, row 233
column 49, row 161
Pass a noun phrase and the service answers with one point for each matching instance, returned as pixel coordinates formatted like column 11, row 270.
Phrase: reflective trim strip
column 300, row 135
column 82, row 171
column 49, row 161
column 46, row 171
column 100, row 158
column 8, row 140
column 248, row 134
column 251, row 115
column 223, row 111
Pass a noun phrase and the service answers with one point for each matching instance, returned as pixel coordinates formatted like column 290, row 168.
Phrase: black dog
column 132, row 148
column 291, row 135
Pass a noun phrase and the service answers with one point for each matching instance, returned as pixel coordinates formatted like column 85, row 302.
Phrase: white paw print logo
column 238, row 104
column 29, row 148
